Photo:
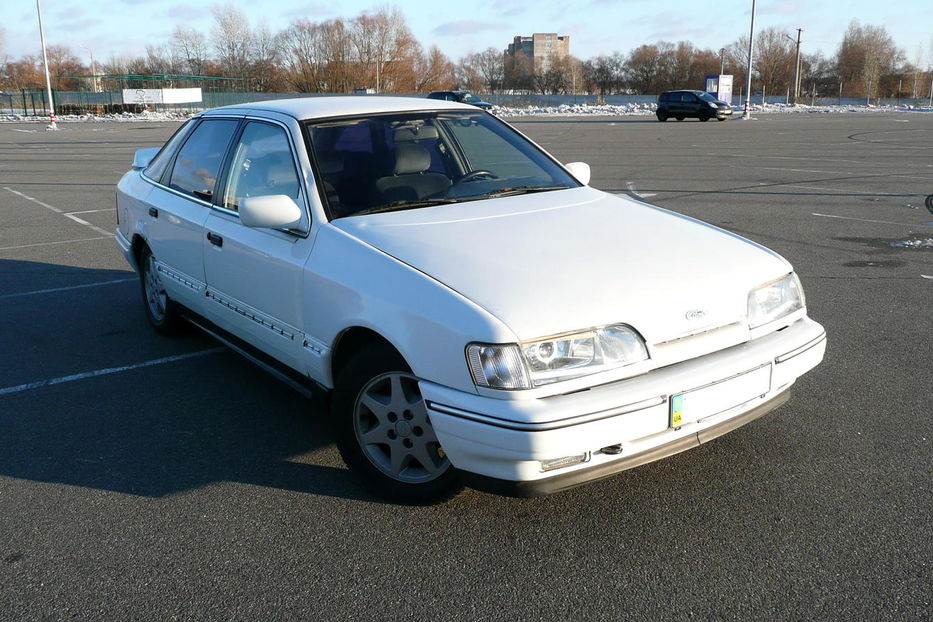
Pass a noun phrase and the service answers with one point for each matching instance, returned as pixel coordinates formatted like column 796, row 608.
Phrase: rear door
column 179, row 204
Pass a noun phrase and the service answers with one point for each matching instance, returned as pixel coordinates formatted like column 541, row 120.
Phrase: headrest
column 411, row 133
column 411, row 159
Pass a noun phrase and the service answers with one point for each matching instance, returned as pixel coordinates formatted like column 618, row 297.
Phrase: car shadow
column 152, row 430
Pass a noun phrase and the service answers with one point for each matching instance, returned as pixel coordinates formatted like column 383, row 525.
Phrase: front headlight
column 544, row 361
column 775, row 300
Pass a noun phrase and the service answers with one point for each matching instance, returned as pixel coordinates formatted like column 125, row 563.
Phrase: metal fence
column 34, row 103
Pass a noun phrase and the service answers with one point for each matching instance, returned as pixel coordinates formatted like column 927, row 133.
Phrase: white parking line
column 64, row 289
column 58, row 211
column 10, row 248
column 103, row 372
column 92, row 211
column 882, row 222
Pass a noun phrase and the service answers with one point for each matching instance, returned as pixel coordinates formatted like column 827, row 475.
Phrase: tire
column 162, row 313
column 384, row 432
column 704, row 117
column 662, row 116
column 679, row 118
column 929, row 203
column 720, row 118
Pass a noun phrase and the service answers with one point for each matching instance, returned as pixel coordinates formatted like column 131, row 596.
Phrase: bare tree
column 433, row 71
column 491, row 65
column 774, row 59
column 604, row 74
column 864, row 56
column 384, row 46
column 189, row 46
column 264, row 66
column 642, row 69
column 232, row 40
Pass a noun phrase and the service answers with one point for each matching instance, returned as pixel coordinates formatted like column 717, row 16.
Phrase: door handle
column 215, row 239
column 153, row 212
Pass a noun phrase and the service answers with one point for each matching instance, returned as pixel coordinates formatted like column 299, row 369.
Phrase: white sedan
column 480, row 314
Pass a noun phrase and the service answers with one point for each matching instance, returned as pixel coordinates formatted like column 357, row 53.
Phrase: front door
column 254, row 275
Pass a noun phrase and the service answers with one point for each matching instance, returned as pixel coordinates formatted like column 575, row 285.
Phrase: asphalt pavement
column 151, row 478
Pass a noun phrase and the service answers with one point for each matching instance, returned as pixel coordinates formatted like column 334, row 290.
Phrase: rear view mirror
column 580, row 170
column 276, row 211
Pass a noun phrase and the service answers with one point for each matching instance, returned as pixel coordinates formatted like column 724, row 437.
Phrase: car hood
column 567, row 260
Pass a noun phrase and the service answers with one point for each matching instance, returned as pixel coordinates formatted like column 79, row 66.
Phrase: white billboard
column 162, row 96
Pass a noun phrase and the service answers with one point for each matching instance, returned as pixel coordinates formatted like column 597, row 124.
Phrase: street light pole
column 748, row 71
column 796, row 65
column 48, row 80
column 94, row 84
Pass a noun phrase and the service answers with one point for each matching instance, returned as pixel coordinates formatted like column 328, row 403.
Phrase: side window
column 198, row 161
column 687, row 97
column 262, row 164
column 156, row 168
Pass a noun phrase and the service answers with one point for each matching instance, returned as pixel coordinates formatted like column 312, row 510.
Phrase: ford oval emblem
column 695, row 314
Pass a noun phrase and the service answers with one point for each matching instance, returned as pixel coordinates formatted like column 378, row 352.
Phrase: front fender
column 350, row 283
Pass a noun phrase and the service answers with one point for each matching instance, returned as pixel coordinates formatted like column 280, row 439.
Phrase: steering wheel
column 473, row 175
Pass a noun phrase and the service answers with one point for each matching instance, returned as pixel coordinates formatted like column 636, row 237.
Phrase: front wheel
column 161, row 311
column 384, row 431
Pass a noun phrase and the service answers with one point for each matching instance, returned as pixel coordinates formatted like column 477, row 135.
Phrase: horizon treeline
column 377, row 50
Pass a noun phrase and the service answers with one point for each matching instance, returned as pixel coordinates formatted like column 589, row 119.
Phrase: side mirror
column 143, row 157
column 276, row 211
column 580, row 170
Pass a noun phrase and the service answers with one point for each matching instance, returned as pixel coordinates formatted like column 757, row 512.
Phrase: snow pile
column 913, row 243
column 576, row 110
column 121, row 117
column 563, row 110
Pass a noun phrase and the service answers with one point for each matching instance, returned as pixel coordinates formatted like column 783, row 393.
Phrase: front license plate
column 712, row 399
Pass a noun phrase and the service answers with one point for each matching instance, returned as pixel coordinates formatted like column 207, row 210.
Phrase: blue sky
column 595, row 26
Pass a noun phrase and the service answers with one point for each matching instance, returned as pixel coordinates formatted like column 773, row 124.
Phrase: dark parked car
column 464, row 97
column 697, row 104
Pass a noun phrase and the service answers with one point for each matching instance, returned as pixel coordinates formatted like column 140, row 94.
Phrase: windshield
column 707, row 97
column 412, row 160
column 469, row 98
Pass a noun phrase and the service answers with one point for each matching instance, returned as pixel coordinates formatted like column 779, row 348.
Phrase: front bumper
column 499, row 443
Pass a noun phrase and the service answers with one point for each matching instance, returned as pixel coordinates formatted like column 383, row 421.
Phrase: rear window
column 199, row 159
column 156, row 168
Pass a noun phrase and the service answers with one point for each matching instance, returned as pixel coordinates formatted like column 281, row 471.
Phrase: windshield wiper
column 403, row 205
column 514, row 190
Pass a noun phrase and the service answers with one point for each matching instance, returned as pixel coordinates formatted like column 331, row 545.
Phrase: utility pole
column 797, row 68
column 796, row 65
column 722, row 60
column 748, row 71
column 48, row 80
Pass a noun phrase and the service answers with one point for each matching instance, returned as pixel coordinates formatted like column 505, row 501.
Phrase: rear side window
column 156, row 168
column 664, row 97
column 198, row 162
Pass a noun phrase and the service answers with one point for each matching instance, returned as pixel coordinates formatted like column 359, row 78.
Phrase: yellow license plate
column 677, row 410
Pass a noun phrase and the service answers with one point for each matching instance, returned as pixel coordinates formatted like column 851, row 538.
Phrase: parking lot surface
column 151, row 478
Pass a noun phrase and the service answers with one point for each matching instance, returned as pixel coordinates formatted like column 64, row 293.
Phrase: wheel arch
column 137, row 245
column 353, row 340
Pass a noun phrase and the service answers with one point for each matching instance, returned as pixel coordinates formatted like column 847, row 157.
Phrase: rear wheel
column 162, row 312
column 679, row 118
column 662, row 116
column 384, row 431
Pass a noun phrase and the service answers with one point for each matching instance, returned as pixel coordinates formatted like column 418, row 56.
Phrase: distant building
column 540, row 51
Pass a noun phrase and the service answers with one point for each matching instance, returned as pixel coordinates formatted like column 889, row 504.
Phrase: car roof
column 339, row 106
